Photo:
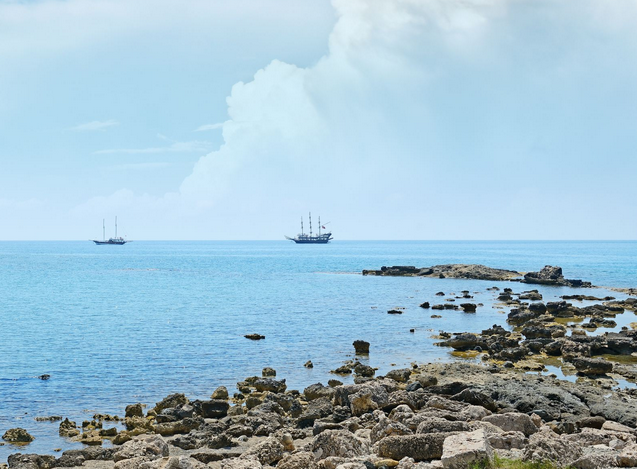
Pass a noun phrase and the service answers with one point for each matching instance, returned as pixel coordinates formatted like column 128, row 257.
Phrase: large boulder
column 271, row 385
column 461, row 450
column 146, row 446
column 173, row 400
column 30, row 461
column 267, row 452
column 592, row 366
column 17, row 435
column 513, row 422
column 339, row 443
column 418, row 447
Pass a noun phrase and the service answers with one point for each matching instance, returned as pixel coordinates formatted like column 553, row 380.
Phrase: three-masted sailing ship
column 305, row 238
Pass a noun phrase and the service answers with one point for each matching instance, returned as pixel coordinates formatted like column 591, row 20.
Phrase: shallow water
column 114, row 325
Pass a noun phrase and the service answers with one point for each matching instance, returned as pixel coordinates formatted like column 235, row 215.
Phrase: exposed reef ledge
column 549, row 275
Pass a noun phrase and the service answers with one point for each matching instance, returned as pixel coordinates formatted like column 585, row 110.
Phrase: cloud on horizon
column 95, row 126
column 434, row 119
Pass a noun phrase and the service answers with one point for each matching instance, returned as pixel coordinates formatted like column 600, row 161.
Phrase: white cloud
column 176, row 147
column 203, row 128
column 409, row 125
column 138, row 166
column 95, row 125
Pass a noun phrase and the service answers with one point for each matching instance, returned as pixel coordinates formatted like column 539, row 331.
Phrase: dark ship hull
column 323, row 239
column 117, row 242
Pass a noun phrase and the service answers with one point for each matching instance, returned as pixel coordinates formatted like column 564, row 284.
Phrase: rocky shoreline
column 429, row 416
column 424, row 417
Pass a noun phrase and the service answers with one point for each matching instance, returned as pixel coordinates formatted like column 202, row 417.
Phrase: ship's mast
column 115, row 226
column 310, row 224
column 319, row 226
column 104, row 229
column 301, row 225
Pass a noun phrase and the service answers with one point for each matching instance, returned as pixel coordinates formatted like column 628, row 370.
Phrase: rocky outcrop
column 17, row 435
column 468, row 271
column 550, row 275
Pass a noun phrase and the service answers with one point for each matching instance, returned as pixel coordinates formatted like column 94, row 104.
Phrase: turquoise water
column 114, row 325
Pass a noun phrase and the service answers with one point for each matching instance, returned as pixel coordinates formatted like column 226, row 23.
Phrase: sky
column 232, row 119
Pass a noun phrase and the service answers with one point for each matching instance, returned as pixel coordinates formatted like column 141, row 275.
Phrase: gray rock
column 513, row 422
column 461, row 450
column 267, row 452
column 148, row 446
column 418, row 447
column 339, row 443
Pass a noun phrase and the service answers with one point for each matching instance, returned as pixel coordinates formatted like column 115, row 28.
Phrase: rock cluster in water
column 549, row 275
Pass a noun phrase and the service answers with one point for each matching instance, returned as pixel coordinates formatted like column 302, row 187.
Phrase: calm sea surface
column 114, row 325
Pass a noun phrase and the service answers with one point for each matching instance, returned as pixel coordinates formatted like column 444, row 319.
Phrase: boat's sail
column 305, row 238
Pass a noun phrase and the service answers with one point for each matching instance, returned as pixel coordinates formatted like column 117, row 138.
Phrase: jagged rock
column 68, row 428
column 213, row 409
column 628, row 456
column 316, row 391
column 220, row 393
column 17, row 435
column 437, row 425
column 507, row 440
column 267, row 452
column 241, row 464
column 181, row 426
column 550, row 275
column 386, row 427
column 401, row 375
column 472, row 396
column 592, row 366
column 361, row 347
column 147, row 446
column 469, row 307
column 547, row 445
column 339, row 443
column 30, row 461
column 513, row 422
column 300, row 460
column 134, row 410
column 425, row 305
column 418, row 447
column 271, row 385
column 174, row 462
column 594, row 457
column 460, row 451
column 174, row 400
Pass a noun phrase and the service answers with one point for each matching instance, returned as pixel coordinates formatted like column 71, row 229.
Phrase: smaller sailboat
column 304, row 238
column 118, row 241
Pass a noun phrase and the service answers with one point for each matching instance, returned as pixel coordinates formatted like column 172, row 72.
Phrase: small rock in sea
column 343, row 370
column 254, row 336
column 51, row 418
column 17, row 435
column 425, row 305
column 440, row 293
column 436, row 316
column 309, row 364
column 361, row 347
column 412, row 330
column 394, row 311
column 469, row 307
column 44, row 377
column 268, row 372
column 334, row 382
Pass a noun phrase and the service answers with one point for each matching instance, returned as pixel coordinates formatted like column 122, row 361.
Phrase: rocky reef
column 549, row 275
column 423, row 417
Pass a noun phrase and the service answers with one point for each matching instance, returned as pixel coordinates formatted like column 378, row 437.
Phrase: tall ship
column 305, row 238
column 117, row 241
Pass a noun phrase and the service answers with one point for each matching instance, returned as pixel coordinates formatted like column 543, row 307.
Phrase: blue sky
column 410, row 119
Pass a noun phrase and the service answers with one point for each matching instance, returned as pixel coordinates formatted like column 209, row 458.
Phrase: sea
column 116, row 325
